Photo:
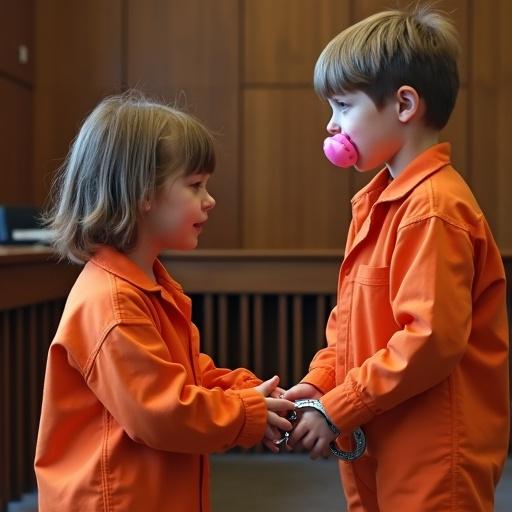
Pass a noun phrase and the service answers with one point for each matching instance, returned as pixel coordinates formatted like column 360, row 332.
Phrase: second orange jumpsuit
column 418, row 345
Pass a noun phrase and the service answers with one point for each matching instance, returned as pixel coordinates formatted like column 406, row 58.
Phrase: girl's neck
column 144, row 259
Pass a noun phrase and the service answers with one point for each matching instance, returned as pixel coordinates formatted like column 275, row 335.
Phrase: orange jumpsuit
column 130, row 406
column 417, row 348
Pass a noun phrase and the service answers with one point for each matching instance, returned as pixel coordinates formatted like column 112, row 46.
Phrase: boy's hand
column 302, row 390
column 312, row 432
column 275, row 422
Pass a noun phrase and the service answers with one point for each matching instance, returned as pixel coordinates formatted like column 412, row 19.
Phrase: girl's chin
column 189, row 245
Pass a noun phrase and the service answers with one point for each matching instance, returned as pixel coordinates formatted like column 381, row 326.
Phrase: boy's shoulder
column 446, row 195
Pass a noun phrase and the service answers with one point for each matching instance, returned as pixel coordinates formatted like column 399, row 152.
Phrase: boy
column 418, row 342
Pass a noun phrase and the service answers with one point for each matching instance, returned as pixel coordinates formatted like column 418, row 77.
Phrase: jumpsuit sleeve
column 152, row 398
column 430, row 283
column 322, row 370
column 224, row 378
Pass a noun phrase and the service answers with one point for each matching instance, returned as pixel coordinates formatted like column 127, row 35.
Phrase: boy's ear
column 409, row 104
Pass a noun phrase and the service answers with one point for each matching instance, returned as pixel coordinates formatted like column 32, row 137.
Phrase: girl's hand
column 312, row 432
column 278, row 392
column 275, row 422
column 302, row 390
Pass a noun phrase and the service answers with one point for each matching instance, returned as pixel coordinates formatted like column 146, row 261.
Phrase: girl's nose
column 209, row 202
column 333, row 127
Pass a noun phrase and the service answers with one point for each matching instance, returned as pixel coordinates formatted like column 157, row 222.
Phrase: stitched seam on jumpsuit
column 105, row 488
column 114, row 296
column 347, row 336
column 433, row 215
column 445, row 219
column 108, row 329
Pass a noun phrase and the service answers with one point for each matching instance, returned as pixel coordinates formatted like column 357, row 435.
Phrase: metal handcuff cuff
column 358, row 436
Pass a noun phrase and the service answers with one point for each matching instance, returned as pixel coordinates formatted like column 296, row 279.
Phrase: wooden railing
column 265, row 310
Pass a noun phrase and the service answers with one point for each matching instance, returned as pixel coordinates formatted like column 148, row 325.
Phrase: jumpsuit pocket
column 372, row 276
column 371, row 317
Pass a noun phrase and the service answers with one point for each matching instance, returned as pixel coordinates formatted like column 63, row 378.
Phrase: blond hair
column 417, row 46
column 125, row 150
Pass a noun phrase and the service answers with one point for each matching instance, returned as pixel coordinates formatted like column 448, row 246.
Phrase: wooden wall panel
column 16, row 39
column 78, row 63
column 292, row 196
column 457, row 132
column 283, row 39
column 15, row 143
column 187, row 52
column 504, row 136
column 485, row 109
column 244, row 67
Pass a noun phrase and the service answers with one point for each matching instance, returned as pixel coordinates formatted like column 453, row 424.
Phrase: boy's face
column 376, row 133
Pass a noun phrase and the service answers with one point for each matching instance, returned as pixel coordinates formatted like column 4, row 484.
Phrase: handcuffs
column 358, row 436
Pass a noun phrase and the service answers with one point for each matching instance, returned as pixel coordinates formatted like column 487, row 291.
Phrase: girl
column 130, row 405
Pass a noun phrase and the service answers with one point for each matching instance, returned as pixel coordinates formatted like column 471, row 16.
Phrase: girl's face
column 376, row 133
column 176, row 216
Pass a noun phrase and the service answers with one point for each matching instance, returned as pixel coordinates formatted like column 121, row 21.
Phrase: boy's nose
column 333, row 127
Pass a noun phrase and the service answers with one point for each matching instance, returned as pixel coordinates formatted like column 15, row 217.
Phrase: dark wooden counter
column 32, row 275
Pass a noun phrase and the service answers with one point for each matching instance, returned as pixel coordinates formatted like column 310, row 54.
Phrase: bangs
column 186, row 148
column 198, row 151
column 339, row 70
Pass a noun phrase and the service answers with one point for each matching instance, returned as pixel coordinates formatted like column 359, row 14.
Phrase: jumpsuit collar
column 120, row 265
column 428, row 162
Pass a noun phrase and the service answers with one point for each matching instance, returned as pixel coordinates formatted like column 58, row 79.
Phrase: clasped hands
column 309, row 432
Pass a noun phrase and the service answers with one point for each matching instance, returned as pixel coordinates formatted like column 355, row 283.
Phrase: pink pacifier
column 340, row 150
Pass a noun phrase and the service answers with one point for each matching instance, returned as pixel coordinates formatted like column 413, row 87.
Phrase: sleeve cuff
column 322, row 378
column 345, row 408
column 255, row 422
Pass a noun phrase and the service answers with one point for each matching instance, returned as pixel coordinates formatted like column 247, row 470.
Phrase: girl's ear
column 146, row 206
column 409, row 104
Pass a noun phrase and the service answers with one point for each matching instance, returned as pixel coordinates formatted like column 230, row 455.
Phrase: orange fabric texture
column 130, row 405
column 418, row 345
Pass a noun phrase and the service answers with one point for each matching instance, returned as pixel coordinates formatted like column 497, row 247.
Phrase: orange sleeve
column 322, row 370
column 152, row 397
column 225, row 378
column 430, row 285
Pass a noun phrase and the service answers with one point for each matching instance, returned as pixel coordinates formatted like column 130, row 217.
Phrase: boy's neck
column 418, row 141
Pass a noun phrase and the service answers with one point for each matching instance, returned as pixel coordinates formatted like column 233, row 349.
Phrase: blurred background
column 264, row 278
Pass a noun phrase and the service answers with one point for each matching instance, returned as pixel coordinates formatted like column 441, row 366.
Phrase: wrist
column 313, row 403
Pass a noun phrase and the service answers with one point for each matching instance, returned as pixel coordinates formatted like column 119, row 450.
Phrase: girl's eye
column 196, row 184
column 340, row 103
